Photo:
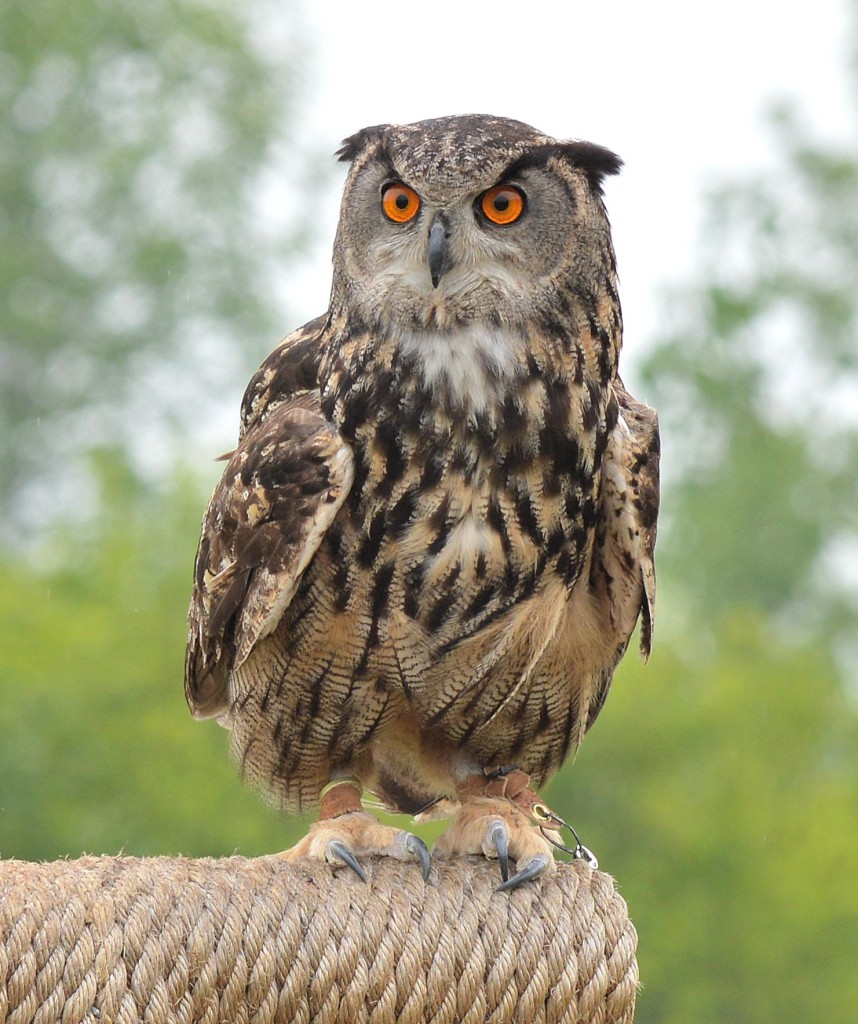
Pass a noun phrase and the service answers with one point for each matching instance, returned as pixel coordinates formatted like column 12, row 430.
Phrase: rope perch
column 126, row 940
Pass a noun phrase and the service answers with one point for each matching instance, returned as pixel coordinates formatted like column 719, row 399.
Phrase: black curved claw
column 343, row 853
column 499, row 836
column 536, row 866
column 414, row 844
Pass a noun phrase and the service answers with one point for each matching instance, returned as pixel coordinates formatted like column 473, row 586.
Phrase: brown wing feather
column 291, row 370
column 279, row 493
column 623, row 562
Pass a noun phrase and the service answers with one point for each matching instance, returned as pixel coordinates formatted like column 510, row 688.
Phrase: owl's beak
column 439, row 250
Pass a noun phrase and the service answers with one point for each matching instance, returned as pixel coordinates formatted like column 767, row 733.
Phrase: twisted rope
column 124, row 940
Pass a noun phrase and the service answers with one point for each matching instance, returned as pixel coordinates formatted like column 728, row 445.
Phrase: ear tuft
column 595, row 160
column 358, row 142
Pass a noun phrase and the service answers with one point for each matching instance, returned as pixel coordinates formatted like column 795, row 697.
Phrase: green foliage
column 136, row 271
column 105, row 755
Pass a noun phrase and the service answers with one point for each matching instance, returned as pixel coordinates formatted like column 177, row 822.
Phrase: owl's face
column 462, row 220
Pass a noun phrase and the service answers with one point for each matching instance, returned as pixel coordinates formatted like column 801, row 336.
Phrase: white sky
column 679, row 90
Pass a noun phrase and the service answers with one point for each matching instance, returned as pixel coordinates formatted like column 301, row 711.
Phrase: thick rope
column 118, row 939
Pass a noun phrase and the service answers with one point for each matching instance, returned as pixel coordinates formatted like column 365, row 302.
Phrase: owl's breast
column 476, row 462
column 464, row 523
column 492, row 549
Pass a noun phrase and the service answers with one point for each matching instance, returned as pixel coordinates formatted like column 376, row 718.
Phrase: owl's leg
column 345, row 832
column 496, row 819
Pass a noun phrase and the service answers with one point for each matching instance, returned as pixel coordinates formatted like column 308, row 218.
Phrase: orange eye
column 502, row 204
column 400, row 203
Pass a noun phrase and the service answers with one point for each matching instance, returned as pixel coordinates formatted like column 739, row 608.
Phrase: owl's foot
column 496, row 828
column 345, row 832
column 500, row 818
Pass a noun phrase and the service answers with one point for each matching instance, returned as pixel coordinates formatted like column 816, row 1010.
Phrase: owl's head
column 458, row 220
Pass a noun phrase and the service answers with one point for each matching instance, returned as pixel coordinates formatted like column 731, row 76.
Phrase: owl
column 430, row 548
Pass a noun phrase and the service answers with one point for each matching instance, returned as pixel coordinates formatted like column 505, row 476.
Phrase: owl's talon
column 536, row 866
column 339, row 851
column 498, row 837
column 414, row 844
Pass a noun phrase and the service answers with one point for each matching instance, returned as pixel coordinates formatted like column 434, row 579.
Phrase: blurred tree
column 759, row 380
column 141, row 226
column 104, row 755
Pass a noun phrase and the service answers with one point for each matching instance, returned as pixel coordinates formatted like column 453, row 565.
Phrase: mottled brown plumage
column 429, row 550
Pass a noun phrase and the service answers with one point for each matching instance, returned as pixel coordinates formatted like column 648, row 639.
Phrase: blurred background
column 167, row 204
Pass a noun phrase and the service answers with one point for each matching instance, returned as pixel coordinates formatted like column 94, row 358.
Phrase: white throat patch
column 472, row 364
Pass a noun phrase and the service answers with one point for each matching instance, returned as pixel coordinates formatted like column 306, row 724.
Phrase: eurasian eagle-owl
column 429, row 550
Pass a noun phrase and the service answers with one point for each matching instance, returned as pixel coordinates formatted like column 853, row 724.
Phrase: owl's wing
column 623, row 566
column 280, row 491
column 290, row 372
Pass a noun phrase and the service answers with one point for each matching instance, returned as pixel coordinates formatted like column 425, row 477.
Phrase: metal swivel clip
column 549, row 821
